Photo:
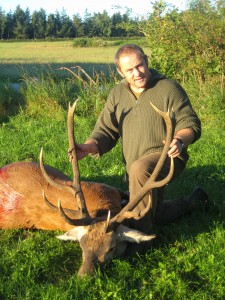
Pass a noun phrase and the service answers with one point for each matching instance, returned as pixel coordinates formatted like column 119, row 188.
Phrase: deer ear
column 74, row 234
column 132, row 235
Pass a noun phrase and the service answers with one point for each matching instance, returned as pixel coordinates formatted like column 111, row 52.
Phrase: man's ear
column 119, row 71
column 146, row 60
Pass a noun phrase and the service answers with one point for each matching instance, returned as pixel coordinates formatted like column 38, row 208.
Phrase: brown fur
column 26, row 181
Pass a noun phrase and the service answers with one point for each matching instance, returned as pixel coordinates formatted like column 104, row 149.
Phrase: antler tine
column 170, row 132
column 58, row 185
column 152, row 183
column 74, row 222
column 74, row 213
column 76, row 174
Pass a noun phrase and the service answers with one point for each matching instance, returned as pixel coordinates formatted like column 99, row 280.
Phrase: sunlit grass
column 52, row 52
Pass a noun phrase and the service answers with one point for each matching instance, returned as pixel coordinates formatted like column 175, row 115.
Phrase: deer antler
column 61, row 186
column 74, row 187
column 76, row 174
column 128, row 210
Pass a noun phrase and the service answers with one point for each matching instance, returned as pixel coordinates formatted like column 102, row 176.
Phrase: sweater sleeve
column 185, row 115
column 106, row 133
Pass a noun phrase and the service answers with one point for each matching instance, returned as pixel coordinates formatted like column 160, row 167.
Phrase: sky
column 71, row 7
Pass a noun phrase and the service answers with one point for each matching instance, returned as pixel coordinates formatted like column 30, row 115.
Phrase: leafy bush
column 108, row 42
column 83, row 42
column 186, row 43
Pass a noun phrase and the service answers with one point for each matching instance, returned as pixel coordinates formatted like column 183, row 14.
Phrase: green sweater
column 141, row 129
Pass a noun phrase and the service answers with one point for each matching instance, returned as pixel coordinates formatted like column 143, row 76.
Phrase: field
column 186, row 261
column 30, row 55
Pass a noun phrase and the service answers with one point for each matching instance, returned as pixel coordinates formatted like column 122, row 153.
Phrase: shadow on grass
column 11, row 100
column 15, row 72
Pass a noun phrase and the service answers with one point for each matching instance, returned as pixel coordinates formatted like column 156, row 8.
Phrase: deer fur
column 87, row 212
column 21, row 198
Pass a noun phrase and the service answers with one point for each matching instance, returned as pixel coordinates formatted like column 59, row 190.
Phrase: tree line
column 22, row 25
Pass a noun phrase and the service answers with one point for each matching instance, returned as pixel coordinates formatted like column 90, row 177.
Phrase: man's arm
column 182, row 139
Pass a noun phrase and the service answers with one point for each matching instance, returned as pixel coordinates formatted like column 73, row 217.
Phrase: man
column 128, row 115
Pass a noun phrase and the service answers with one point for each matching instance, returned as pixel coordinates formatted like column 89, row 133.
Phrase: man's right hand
column 90, row 147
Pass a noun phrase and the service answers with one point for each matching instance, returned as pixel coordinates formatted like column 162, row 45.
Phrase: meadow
column 186, row 260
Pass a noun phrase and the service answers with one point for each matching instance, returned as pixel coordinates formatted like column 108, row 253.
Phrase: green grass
column 22, row 57
column 186, row 260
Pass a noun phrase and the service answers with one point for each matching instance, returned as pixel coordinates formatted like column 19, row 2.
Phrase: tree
column 21, row 28
column 58, row 24
column 21, row 25
column 128, row 26
column 9, row 26
column 200, row 6
column 39, row 23
column 118, row 29
column 87, row 23
column 101, row 25
column 2, row 23
column 51, row 26
column 220, row 6
column 78, row 25
column 159, row 7
column 67, row 28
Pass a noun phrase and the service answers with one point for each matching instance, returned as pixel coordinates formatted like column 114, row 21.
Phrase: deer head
column 103, row 238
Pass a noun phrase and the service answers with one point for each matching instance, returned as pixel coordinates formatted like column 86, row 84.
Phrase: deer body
column 83, row 206
column 21, row 199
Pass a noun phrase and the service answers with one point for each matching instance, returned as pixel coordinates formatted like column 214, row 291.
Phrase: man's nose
column 136, row 71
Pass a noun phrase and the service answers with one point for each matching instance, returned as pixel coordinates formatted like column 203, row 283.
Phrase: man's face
column 135, row 69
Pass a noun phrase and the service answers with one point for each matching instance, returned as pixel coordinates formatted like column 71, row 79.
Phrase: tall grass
column 186, row 261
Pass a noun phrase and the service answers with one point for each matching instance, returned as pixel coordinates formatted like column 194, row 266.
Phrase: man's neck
column 136, row 94
column 136, row 90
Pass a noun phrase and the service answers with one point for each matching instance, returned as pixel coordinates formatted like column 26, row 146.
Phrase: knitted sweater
column 141, row 129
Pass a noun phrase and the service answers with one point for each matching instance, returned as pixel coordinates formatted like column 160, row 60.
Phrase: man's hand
column 175, row 147
column 84, row 149
column 183, row 138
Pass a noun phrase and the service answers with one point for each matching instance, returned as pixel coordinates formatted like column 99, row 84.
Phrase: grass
column 31, row 57
column 186, row 260
column 52, row 52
